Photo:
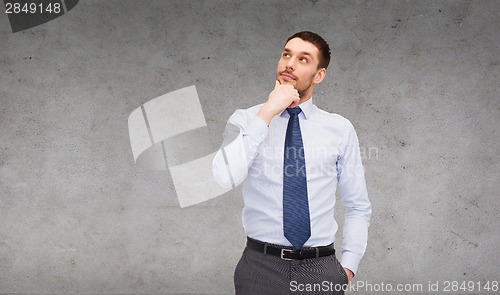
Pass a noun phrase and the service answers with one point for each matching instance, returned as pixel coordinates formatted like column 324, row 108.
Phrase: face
column 298, row 66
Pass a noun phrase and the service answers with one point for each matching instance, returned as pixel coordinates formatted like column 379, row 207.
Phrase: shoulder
column 333, row 119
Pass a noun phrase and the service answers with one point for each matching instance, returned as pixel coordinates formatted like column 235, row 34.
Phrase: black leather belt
column 288, row 253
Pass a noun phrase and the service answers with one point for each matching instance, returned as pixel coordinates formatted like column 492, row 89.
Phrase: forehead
column 297, row 45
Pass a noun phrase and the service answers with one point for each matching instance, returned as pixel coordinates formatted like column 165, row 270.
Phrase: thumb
column 277, row 84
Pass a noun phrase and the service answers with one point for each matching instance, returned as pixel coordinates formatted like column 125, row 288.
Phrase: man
column 292, row 155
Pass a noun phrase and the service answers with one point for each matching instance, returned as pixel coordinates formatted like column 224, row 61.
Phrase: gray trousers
column 261, row 274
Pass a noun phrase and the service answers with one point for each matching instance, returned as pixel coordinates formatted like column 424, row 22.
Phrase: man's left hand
column 349, row 273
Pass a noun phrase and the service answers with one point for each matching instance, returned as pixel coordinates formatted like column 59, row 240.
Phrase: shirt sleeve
column 354, row 197
column 242, row 136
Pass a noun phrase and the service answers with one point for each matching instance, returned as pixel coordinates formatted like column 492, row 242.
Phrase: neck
column 303, row 99
column 306, row 94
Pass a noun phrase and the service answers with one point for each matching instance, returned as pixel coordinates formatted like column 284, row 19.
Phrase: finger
column 292, row 91
column 288, row 87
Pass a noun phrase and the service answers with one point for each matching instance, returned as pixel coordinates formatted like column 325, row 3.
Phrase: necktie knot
column 294, row 111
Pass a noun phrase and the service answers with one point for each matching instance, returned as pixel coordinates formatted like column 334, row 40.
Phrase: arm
column 244, row 133
column 354, row 197
column 241, row 139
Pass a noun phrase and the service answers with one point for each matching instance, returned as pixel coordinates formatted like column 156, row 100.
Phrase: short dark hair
column 319, row 42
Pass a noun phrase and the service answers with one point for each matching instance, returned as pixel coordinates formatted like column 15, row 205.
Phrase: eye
column 286, row 54
column 303, row 59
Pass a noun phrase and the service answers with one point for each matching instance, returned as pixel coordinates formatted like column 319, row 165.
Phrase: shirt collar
column 306, row 107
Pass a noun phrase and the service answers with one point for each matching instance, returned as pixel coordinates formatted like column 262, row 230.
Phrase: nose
column 290, row 64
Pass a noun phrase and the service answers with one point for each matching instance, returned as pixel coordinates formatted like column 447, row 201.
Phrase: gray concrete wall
column 418, row 79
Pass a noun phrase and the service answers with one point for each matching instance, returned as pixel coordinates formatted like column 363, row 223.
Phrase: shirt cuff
column 257, row 129
column 350, row 261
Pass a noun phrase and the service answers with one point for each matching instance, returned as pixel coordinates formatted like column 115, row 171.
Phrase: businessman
column 291, row 156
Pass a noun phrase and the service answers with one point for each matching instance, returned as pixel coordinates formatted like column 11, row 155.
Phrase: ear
column 319, row 76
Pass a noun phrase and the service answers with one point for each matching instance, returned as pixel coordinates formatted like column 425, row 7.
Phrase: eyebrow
column 302, row 52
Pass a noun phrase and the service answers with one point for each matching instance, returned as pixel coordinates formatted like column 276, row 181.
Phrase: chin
column 288, row 82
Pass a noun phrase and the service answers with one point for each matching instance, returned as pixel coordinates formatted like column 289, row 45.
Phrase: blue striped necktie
column 296, row 222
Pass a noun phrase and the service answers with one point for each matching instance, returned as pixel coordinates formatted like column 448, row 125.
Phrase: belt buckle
column 283, row 251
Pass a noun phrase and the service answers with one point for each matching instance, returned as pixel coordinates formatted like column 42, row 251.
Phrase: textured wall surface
column 418, row 80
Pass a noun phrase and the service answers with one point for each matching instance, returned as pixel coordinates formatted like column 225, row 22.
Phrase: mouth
column 287, row 76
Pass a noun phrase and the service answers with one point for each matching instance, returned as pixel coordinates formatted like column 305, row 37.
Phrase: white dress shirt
column 253, row 152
